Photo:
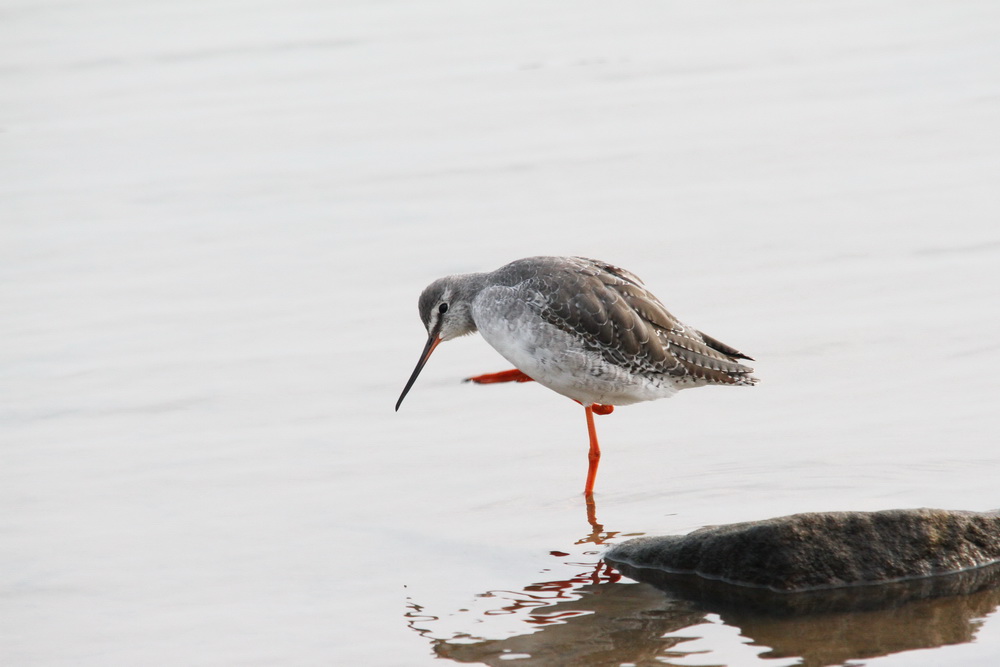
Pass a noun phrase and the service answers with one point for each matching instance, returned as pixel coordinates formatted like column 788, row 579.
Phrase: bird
column 581, row 327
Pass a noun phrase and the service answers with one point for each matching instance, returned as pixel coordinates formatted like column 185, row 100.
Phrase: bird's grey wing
column 613, row 313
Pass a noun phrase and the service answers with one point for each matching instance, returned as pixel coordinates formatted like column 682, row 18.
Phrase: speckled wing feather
column 614, row 314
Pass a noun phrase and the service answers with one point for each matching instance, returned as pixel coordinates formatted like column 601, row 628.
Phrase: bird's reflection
column 597, row 535
column 593, row 617
column 587, row 618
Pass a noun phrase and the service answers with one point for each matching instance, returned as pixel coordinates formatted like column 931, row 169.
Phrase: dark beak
column 432, row 342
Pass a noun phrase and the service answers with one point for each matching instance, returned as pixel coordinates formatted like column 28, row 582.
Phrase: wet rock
column 823, row 550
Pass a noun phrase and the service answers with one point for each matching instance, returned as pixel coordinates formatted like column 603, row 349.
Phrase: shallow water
column 216, row 222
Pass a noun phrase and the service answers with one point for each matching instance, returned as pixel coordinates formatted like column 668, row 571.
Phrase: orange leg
column 515, row 375
column 601, row 409
column 512, row 375
column 595, row 452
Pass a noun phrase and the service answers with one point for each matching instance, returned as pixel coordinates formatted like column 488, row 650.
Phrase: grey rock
column 823, row 550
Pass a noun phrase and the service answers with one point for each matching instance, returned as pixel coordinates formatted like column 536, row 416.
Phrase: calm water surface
column 215, row 224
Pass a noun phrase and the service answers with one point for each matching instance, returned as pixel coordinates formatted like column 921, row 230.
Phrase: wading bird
column 581, row 327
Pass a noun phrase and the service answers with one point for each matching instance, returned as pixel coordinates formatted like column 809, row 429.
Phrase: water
column 216, row 220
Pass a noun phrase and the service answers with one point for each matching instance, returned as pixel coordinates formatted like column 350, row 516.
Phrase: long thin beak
column 432, row 342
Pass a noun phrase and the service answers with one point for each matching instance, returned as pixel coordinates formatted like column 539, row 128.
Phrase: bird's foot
column 512, row 375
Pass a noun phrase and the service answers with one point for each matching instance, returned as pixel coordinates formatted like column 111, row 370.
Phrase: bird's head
column 446, row 311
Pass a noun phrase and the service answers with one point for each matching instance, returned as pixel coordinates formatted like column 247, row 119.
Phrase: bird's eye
column 443, row 308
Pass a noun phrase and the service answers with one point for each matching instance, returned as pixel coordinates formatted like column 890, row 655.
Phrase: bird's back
column 608, row 311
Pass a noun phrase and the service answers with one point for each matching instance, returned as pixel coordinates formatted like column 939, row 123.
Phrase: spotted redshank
column 581, row 327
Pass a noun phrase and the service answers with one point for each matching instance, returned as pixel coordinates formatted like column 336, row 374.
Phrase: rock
column 822, row 550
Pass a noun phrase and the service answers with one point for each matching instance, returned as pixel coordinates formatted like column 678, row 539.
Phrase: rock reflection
column 831, row 627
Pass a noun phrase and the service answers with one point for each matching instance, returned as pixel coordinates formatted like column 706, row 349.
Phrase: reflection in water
column 830, row 627
column 589, row 618
column 592, row 618
column 606, row 624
